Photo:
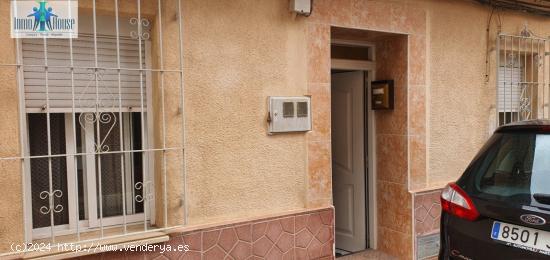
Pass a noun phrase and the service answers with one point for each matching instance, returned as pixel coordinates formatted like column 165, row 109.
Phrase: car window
column 511, row 168
column 540, row 182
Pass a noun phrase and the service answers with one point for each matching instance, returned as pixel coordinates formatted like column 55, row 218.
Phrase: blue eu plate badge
column 496, row 230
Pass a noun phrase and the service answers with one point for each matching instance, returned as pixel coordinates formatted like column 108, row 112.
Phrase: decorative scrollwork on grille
column 105, row 118
column 538, row 60
column 104, row 100
column 140, row 33
column 51, row 203
column 145, row 187
column 525, row 103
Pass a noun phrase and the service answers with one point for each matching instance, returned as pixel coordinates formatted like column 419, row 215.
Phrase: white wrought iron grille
column 523, row 72
column 102, row 123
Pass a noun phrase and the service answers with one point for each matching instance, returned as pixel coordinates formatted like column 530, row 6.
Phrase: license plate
column 522, row 237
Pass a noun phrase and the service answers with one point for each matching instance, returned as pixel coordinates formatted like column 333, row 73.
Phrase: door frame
column 370, row 145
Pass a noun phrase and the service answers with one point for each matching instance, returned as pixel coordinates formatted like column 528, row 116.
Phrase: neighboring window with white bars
column 102, row 124
column 509, row 92
column 522, row 77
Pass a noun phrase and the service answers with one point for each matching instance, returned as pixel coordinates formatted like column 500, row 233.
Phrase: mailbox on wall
column 289, row 114
column 382, row 95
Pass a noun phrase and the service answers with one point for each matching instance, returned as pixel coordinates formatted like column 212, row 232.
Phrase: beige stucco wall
column 238, row 54
column 460, row 101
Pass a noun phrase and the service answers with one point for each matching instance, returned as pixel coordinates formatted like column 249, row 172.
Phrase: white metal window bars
column 522, row 74
column 98, row 116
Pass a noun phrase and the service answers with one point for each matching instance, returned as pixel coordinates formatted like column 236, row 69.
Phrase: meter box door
column 289, row 114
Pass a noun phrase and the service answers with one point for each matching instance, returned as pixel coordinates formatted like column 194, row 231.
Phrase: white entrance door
column 348, row 160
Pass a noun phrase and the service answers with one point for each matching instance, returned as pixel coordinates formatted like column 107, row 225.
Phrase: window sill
column 90, row 248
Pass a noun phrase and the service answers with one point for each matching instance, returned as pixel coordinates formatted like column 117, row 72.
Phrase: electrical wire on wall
column 488, row 40
column 537, row 7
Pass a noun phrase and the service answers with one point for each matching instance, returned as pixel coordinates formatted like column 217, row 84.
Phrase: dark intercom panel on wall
column 382, row 95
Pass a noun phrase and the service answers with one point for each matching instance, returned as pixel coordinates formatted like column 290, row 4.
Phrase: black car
column 500, row 206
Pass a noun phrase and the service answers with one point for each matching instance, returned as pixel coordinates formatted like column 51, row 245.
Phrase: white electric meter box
column 300, row 6
column 289, row 114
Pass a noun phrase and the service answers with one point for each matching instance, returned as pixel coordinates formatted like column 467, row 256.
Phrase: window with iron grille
column 104, row 120
column 96, row 114
column 522, row 78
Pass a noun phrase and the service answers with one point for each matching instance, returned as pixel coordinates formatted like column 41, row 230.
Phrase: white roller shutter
column 86, row 94
column 509, row 90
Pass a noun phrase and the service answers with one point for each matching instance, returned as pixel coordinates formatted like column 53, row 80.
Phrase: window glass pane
column 40, row 187
column 137, row 162
column 110, row 164
column 82, row 194
column 350, row 52
column 114, row 175
column 508, row 117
